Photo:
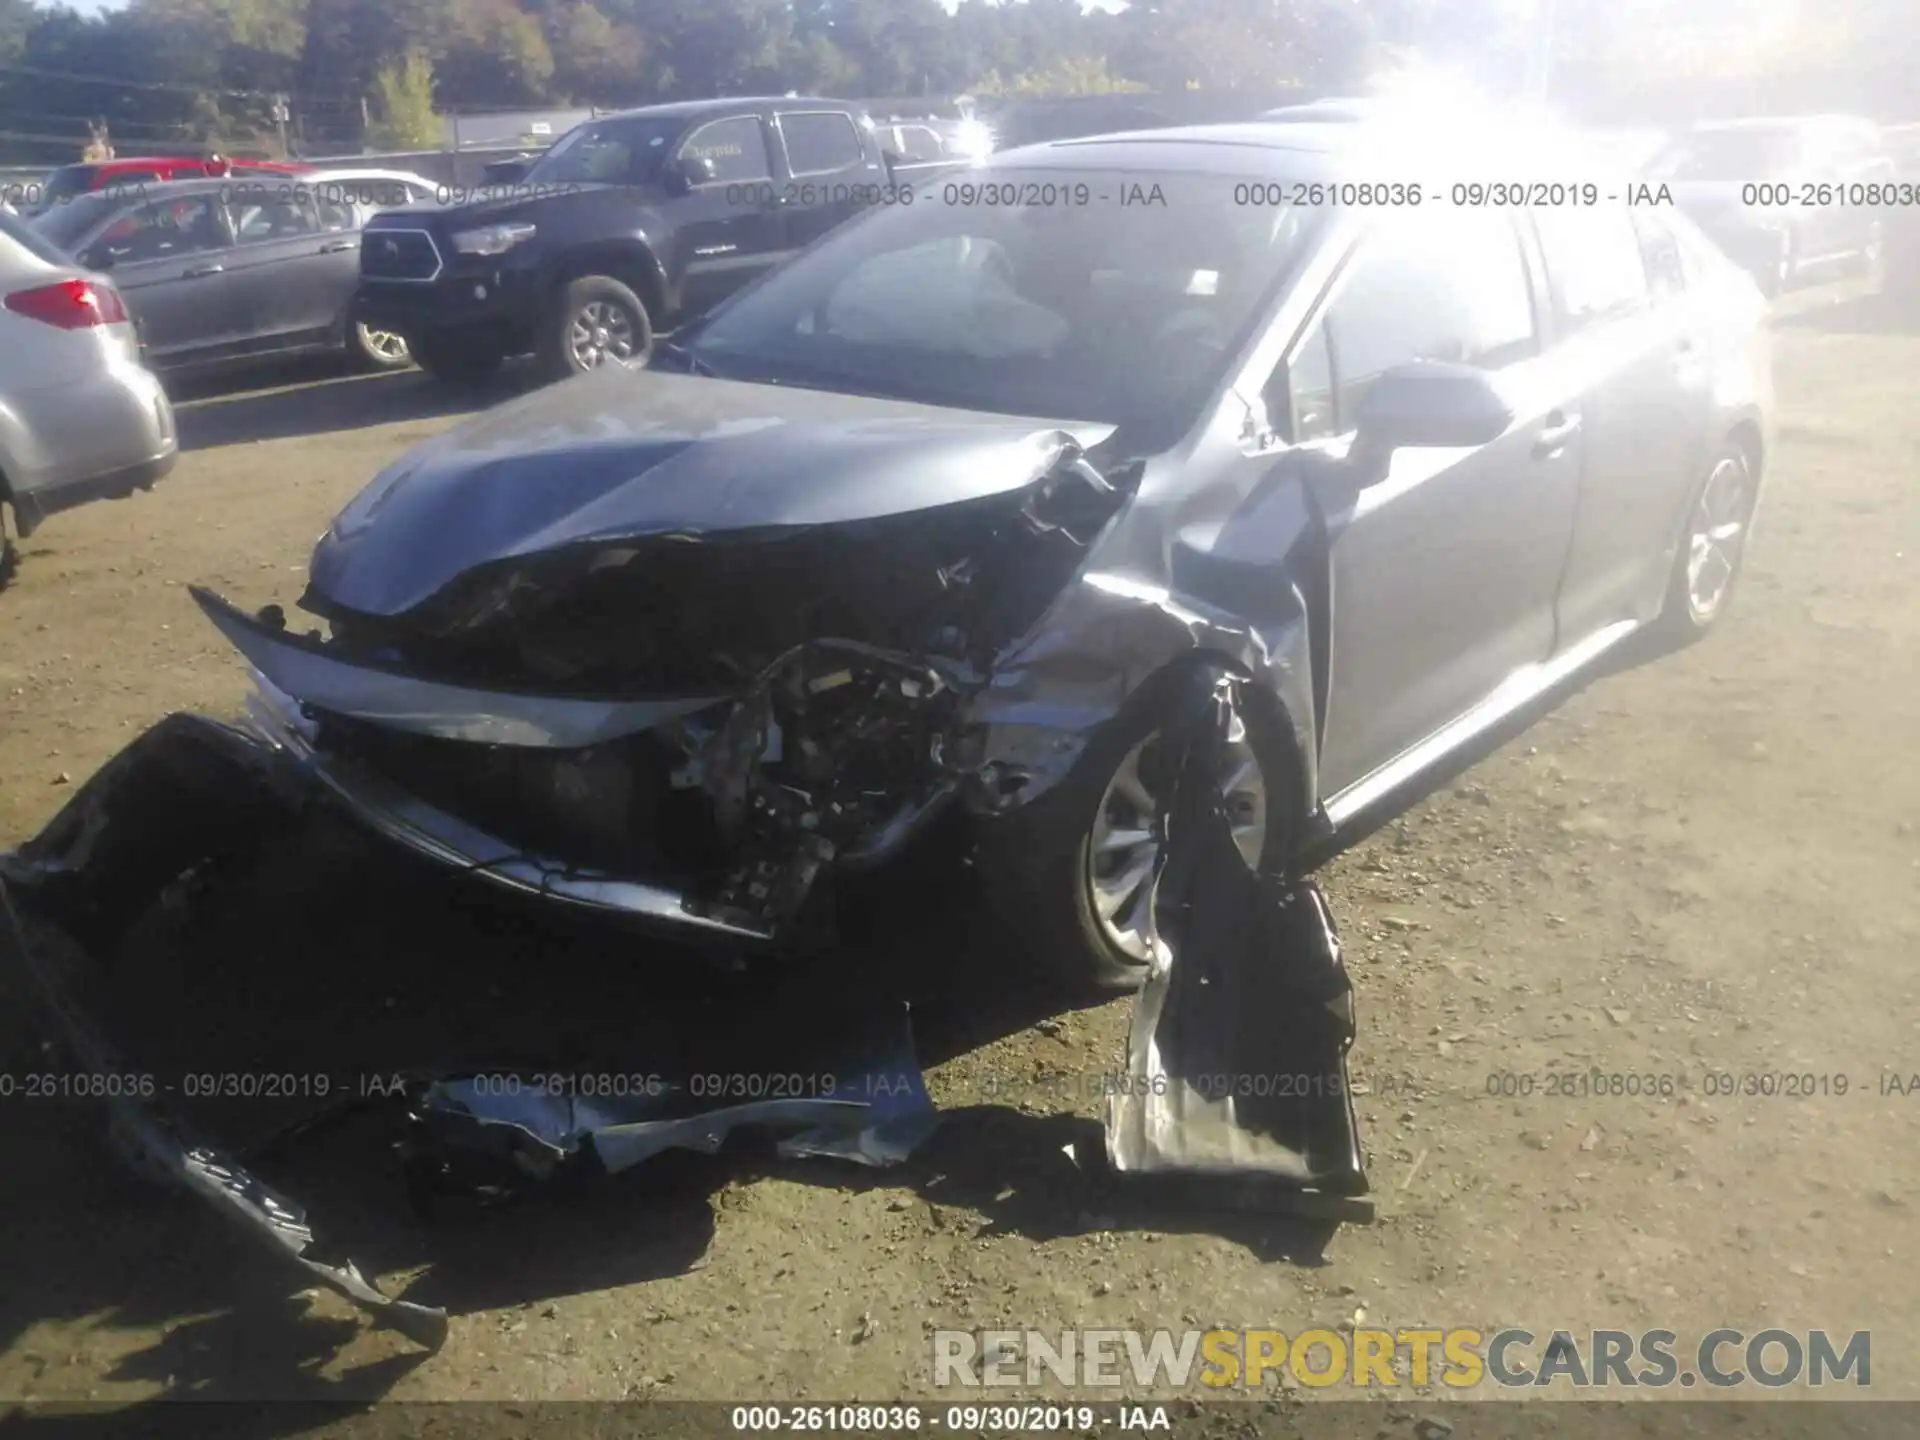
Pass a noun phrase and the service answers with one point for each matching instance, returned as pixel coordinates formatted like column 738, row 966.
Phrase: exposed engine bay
column 809, row 686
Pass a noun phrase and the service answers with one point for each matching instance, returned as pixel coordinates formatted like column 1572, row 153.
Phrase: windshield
column 63, row 184
column 1074, row 306
column 607, row 152
column 67, row 220
column 1733, row 155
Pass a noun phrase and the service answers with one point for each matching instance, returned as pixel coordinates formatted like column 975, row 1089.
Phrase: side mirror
column 98, row 258
column 505, row 172
column 1429, row 403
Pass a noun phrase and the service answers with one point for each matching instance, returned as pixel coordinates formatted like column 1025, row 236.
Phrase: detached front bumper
column 186, row 791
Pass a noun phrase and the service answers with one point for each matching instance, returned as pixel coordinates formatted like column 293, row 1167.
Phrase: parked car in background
column 1786, row 197
column 1902, row 266
column 1350, row 110
column 630, row 224
column 947, row 514
column 224, row 270
column 372, row 188
column 81, row 418
column 69, row 181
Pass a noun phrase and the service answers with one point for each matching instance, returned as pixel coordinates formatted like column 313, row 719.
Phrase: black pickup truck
column 629, row 224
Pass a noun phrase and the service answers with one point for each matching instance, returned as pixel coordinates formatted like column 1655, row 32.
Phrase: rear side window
column 1595, row 263
column 1453, row 289
column 1660, row 251
column 162, row 230
column 820, row 141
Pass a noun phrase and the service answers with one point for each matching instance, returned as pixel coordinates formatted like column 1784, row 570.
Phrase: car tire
column 377, row 349
column 1778, row 277
column 453, row 362
column 595, row 319
column 1873, row 258
column 1721, row 505
column 1036, row 863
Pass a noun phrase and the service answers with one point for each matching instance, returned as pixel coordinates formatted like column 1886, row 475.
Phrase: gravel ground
column 1707, row 865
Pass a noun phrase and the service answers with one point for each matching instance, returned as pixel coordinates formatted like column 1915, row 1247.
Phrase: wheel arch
column 1277, row 737
column 631, row 262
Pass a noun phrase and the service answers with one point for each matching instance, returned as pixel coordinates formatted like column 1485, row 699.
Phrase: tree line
column 185, row 73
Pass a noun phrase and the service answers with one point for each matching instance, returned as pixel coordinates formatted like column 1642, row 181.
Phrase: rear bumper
column 100, row 439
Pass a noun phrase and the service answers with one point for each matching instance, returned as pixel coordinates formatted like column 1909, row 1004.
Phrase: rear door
column 292, row 275
column 167, row 259
column 830, row 166
column 1445, row 571
column 729, row 229
column 1629, row 342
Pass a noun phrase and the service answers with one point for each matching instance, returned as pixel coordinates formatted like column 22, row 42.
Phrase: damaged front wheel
column 1074, row 871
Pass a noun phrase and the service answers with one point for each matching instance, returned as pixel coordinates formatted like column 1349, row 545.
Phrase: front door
column 168, row 260
column 730, row 228
column 1444, row 572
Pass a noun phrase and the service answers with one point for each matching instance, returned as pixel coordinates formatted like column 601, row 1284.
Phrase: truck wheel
column 455, row 363
column 377, row 349
column 595, row 320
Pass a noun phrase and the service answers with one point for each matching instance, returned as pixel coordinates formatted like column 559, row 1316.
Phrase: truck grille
column 398, row 255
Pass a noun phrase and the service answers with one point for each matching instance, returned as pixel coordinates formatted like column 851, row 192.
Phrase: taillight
column 70, row 304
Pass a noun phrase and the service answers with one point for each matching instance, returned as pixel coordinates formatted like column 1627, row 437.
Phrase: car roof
column 367, row 172
column 692, row 109
column 1306, row 150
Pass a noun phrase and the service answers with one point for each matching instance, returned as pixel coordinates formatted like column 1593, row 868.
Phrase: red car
column 71, row 180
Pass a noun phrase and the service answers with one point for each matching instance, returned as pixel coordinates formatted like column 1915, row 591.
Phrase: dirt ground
column 1708, row 865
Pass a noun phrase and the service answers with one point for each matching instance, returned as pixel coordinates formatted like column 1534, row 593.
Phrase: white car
column 383, row 189
column 81, row 418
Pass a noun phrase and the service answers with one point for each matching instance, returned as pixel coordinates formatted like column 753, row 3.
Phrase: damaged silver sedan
column 934, row 519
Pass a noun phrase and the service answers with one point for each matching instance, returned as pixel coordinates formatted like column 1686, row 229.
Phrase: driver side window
column 737, row 147
column 1457, row 291
column 160, row 230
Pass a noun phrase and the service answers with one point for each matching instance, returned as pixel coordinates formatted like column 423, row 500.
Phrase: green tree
column 404, row 117
column 595, row 59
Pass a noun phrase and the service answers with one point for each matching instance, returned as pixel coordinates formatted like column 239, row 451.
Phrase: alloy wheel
column 1124, row 848
column 601, row 331
column 1715, row 534
column 383, row 344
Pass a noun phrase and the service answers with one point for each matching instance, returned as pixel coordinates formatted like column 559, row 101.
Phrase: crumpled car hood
column 621, row 454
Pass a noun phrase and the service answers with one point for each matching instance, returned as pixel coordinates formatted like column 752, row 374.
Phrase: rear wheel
column 595, row 321
column 453, row 361
column 1873, row 257
column 1712, row 550
column 1777, row 278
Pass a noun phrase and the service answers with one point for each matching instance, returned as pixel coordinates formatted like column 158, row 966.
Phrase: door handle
column 334, row 247
column 196, row 271
column 1554, row 435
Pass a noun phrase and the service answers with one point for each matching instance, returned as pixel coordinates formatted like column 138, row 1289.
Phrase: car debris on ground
column 1249, row 990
